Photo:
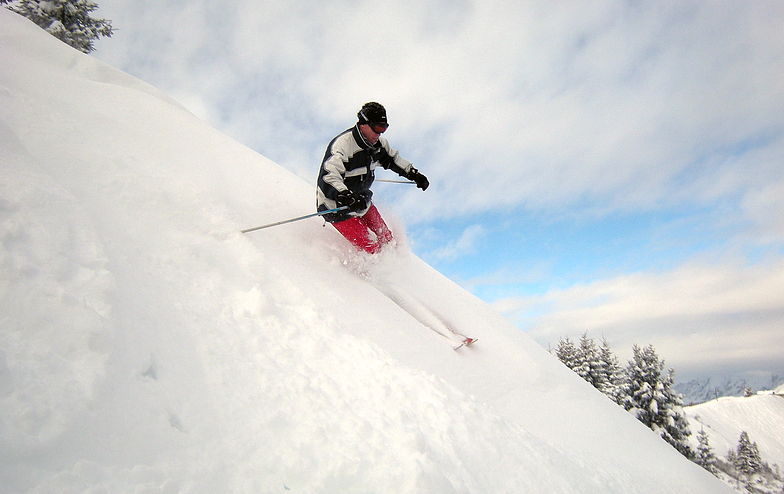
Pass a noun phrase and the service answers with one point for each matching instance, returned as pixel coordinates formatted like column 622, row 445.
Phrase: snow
column 146, row 345
column 761, row 416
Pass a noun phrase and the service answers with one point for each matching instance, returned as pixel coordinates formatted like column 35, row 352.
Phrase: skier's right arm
column 335, row 170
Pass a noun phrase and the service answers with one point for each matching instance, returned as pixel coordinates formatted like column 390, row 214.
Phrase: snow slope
column 761, row 416
column 147, row 346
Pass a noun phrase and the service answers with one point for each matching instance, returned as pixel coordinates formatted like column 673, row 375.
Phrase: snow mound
column 148, row 346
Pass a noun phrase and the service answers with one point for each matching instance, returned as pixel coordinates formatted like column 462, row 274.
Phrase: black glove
column 420, row 180
column 345, row 198
column 352, row 200
column 363, row 200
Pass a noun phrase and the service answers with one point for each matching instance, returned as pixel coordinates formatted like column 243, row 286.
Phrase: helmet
column 373, row 113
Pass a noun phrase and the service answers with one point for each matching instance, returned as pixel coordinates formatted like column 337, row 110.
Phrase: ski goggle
column 379, row 128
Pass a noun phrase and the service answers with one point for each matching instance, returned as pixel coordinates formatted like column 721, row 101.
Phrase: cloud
column 466, row 243
column 699, row 316
column 615, row 104
column 610, row 105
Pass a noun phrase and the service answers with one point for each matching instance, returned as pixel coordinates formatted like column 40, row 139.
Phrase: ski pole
column 321, row 213
column 395, row 181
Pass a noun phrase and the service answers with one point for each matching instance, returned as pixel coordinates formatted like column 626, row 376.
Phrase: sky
column 610, row 167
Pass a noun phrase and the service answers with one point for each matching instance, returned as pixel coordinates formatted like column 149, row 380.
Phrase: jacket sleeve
column 334, row 168
column 391, row 159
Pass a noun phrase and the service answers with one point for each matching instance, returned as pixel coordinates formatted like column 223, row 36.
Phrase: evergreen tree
column 597, row 365
column 732, row 456
column 648, row 395
column 704, row 456
column 747, row 458
column 567, row 353
column 67, row 20
column 590, row 367
column 613, row 373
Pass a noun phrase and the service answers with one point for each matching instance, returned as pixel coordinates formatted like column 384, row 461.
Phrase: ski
column 417, row 309
column 426, row 316
column 466, row 342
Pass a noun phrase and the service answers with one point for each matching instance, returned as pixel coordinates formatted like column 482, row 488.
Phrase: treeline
column 742, row 467
column 643, row 388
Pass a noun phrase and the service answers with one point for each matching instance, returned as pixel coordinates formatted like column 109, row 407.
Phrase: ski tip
column 466, row 342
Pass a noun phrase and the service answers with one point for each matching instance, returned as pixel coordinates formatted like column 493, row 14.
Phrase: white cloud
column 544, row 105
column 697, row 316
column 465, row 244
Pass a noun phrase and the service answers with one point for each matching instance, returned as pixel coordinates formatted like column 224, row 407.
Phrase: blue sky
column 517, row 254
column 612, row 167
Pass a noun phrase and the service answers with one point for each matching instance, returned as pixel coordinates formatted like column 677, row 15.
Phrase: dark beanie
column 372, row 113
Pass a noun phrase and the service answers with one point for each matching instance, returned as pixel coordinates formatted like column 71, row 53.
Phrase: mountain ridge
column 698, row 391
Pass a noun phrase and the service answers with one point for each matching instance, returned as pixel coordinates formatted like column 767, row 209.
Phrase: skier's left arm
column 391, row 160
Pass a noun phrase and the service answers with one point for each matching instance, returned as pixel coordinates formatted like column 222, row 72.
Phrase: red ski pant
column 367, row 232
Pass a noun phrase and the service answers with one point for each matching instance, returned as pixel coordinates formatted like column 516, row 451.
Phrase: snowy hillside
column 761, row 416
column 148, row 346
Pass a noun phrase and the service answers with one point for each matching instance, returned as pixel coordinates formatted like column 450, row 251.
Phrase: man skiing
column 347, row 173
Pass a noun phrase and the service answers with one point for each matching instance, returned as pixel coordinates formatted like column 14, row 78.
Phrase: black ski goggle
column 379, row 128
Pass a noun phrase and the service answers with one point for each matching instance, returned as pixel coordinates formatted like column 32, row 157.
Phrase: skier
column 347, row 173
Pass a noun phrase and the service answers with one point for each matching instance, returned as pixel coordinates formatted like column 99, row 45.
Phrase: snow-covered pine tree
column 648, row 395
column 747, row 458
column 614, row 377
column 704, row 456
column 731, row 457
column 567, row 353
column 597, row 365
column 591, row 367
column 67, row 20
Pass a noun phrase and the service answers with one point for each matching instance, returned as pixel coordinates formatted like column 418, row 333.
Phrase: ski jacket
column 349, row 164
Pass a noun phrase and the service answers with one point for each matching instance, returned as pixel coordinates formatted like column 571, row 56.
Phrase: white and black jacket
column 349, row 163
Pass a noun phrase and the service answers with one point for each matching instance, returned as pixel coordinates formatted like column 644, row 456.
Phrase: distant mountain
column 702, row 390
